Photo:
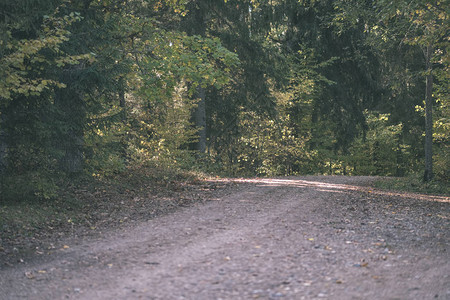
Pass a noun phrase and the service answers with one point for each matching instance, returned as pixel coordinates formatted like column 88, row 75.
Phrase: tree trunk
column 428, row 175
column 196, row 25
column 331, row 167
column 122, row 101
column 399, row 161
column 3, row 145
column 199, row 115
column 70, row 105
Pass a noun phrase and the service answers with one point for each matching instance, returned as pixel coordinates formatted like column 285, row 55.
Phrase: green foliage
column 414, row 183
column 160, row 133
column 291, row 87
column 381, row 151
column 104, row 150
column 26, row 62
column 163, row 83
column 270, row 148
column 30, row 186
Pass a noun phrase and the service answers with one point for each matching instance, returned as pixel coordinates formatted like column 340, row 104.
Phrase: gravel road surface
column 310, row 237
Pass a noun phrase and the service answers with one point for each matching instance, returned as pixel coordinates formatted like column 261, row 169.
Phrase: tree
column 242, row 26
column 425, row 24
column 29, row 63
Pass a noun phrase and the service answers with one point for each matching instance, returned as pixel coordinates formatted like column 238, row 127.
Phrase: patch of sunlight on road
column 336, row 188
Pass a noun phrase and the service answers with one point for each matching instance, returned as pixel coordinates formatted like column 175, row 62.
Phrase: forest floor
column 313, row 237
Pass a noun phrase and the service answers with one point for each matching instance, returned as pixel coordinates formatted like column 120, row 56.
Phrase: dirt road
column 292, row 238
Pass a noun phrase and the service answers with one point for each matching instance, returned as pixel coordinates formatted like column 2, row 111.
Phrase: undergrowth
column 80, row 203
column 414, row 183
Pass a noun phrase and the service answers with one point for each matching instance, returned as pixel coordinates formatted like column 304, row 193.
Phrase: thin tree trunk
column 331, row 167
column 122, row 101
column 200, row 120
column 428, row 175
column 3, row 145
column 399, row 161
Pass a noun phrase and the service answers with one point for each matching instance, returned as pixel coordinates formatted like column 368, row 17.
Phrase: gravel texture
column 310, row 237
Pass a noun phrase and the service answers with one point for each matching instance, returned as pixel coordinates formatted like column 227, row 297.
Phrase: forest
column 95, row 88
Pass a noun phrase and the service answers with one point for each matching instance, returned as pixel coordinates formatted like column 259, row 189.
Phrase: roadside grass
column 414, row 184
